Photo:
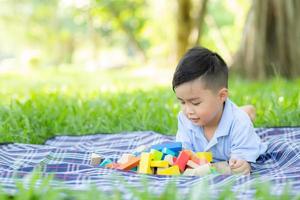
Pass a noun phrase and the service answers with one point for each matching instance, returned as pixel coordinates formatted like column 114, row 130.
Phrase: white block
column 95, row 159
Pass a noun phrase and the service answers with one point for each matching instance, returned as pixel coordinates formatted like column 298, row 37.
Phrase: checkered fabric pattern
column 67, row 159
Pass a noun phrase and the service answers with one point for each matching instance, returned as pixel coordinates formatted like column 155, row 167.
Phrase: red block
column 174, row 159
column 182, row 160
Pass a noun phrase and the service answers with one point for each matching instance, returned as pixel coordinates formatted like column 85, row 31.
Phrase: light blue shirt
column 234, row 137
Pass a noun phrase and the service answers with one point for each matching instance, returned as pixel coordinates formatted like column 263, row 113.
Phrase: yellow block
column 174, row 170
column 206, row 155
column 159, row 163
column 145, row 161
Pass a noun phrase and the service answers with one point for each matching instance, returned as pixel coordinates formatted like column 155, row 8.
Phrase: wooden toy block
column 199, row 171
column 174, row 159
column 95, row 159
column 168, row 151
column 125, row 158
column 222, row 167
column 105, row 162
column 139, row 150
column 192, row 164
column 144, row 166
column 202, row 170
column 173, row 146
column 158, row 147
column 169, row 159
column 159, row 163
column 205, row 155
column 182, row 160
column 132, row 163
column 189, row 172
column 174, row 170
column 113, row 165
column 156, row 155
column 134, row 169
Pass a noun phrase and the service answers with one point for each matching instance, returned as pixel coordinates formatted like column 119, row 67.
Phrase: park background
column 105, row 66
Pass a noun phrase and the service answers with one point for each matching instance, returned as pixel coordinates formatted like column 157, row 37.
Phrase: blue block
column 158, row 147
column 168, row 151
column 134, row 169
column 174, row 146
column 105, row 162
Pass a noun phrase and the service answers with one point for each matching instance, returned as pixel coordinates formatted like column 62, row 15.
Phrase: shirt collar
column 224, row 124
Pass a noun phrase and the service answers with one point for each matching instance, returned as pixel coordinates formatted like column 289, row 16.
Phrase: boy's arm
column 245, row 143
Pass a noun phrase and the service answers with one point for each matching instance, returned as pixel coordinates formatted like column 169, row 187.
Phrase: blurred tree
column 190, row 17
column 127, row 16
column 271, row 40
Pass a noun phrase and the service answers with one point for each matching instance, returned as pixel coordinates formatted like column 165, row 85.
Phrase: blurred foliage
column 49, row 33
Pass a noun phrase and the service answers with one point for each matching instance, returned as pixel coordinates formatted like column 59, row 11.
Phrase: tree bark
column 184, row 26
column 271, row 41
column 186, row 23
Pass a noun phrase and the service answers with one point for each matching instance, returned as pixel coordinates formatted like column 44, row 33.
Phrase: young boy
column 209, row 121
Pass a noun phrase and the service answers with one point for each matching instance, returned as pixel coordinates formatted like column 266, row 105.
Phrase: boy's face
column 201, row 105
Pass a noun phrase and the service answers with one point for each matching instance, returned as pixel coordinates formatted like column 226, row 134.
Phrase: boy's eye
column 196, row 103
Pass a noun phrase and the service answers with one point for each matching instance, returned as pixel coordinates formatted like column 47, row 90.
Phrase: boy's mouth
column 194, row 119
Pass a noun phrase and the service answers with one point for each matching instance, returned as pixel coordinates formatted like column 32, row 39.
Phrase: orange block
column 112, row 165
column 132, row 163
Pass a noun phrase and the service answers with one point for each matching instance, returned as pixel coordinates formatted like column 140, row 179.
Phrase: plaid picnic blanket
column 67, row 159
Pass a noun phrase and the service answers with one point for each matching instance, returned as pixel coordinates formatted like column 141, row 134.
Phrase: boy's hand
column 239, row 166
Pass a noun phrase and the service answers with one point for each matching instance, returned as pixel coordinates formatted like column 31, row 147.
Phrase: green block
column 156, row 155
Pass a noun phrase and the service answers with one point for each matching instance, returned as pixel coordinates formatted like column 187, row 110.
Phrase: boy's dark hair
column 201, row 62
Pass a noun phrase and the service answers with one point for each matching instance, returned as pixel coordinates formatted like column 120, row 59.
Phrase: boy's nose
column 188, row 110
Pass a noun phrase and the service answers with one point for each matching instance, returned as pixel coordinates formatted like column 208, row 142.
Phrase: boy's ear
column 223, row 94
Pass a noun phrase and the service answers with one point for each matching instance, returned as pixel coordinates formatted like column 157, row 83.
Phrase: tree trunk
column 184, row 26
column 271, row 41
column 187, row 22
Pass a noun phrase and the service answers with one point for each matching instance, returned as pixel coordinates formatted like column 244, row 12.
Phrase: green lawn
column 42, row 104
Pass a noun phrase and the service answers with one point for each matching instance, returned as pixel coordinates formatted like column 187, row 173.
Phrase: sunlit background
column 90, row 35
column 87, row 66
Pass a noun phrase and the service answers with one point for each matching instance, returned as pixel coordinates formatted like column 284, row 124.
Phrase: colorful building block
column 199, row 171
column 202, row 170
column 168, row 151
column 182, row 160
column 139, row 150
column 134, row 169
column 159, row 163
column 95, row 159
column 174, row 170
column 173, row 146
column 112, row 165
column 144, row 166
column 132, row 163
column 205, row 155
column 156, row 155
column 169, row 159
column 105, row 162
column 192, row 164
column 125, row 158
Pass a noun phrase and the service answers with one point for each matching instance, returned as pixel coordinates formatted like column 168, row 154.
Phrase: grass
column 45, row 103
column 39, row 187
column 37, row 105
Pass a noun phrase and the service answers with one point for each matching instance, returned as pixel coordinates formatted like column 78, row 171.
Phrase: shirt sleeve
column 246, row 144
column 183, row 133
